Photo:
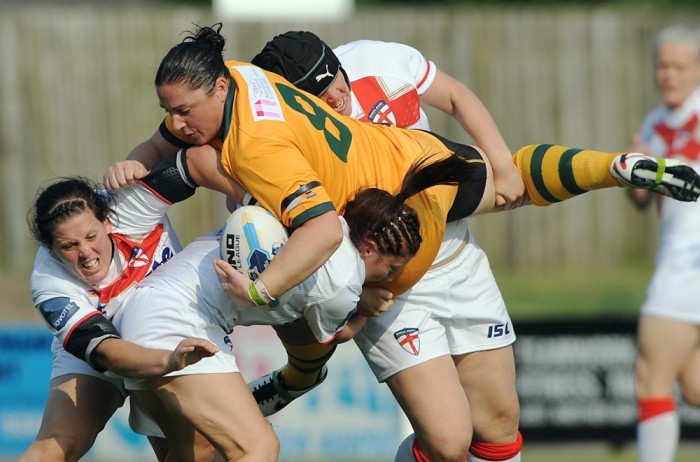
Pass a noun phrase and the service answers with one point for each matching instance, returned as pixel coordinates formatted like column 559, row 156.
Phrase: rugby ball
column 250, row 239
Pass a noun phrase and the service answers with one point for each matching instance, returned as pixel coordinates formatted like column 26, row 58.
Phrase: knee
column 446, row 448
column 641, row 375
column 263, row 449
column 269, row 450
column 691, row 392
column 57, row 448
column 498, row 423
column 505, row 421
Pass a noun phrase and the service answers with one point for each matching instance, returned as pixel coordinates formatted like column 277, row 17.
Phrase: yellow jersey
column 300, row 159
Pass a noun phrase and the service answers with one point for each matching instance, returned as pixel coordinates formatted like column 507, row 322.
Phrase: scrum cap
column 303, row 59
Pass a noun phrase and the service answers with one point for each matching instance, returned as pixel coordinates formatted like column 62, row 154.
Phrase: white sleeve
column 138, row 210
column 364, row 58
column 60, row 297
column 328, row 316
column 333, row 291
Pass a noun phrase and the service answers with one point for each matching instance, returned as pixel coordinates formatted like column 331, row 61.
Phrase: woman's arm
column 354, row 325
column 138, row 163
column 131, row 360
column 306, row 250
column 453, row 98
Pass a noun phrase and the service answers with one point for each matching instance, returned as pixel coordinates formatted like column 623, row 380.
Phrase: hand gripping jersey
column 327, row 299
column 78, row 313
column 387, row 80
column 300, row 159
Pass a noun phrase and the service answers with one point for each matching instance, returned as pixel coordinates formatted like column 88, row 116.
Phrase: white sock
column 473, row 458
column 405, row 451
column 657, row 438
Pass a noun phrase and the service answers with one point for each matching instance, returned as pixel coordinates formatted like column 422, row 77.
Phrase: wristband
column 258, row 293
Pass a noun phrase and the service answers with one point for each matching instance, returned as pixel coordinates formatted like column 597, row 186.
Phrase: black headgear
column 303, row 59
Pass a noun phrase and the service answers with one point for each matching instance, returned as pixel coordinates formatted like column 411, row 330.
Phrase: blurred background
column 76, row 94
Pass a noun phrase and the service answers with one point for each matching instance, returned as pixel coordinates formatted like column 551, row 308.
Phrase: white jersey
column 327, row 299
column 143, row 239
column 673, row 291
column 676, row 134
column 386, row 81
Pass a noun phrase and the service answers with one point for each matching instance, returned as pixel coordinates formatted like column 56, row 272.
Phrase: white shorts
column 162, row 319
column 65, row 363
column 674, row 290
column 454, row 309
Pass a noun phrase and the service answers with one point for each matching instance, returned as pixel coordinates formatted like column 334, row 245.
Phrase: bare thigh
column 432, row 397
column 77, row 409
column 665, row 347
column 220, row 407
column 488, row 378
column 185, row 443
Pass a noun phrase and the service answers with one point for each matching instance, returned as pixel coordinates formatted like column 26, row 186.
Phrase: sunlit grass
column 548, row 294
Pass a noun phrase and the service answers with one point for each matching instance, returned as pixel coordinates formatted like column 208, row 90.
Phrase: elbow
column 343, row 336
column 336, row 234
column 327, row 231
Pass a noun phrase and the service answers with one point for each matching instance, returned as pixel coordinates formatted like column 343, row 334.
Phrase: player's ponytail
column 197, row 61
column 375, row 214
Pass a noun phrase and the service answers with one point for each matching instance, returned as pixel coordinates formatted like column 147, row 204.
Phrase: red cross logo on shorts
column 408, row 339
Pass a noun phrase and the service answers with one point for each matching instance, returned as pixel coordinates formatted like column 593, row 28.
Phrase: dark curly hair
column 63, row 199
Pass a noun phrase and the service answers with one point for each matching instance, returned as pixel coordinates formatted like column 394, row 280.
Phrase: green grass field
column 561, row 294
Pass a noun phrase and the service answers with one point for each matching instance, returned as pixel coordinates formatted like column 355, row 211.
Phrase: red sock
column 418, row 452
column 496, row 451
column 651, row 407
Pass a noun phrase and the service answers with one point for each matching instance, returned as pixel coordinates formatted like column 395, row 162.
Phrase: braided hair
column 375, row 214
column 62, row 200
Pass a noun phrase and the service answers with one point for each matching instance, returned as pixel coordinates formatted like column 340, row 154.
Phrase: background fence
column 77, row 94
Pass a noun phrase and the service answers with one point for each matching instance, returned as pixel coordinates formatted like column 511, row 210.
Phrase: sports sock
column 555, row 173
column 418, row 454
column 502, row 452
column 405, row 451
column 657, row 430
column 304, row 363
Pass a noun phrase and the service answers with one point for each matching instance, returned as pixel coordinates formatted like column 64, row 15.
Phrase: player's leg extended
column 305, row 369
column 488, row 379
column 555, row 173
column 70, row 425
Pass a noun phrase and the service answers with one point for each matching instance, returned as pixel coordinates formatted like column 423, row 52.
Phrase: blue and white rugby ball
column 250, row 239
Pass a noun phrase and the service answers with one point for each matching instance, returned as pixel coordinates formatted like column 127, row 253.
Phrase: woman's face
column 84, row 245
column 337, row 96
column 197, row 114
column 379, row 267
column 677, row 72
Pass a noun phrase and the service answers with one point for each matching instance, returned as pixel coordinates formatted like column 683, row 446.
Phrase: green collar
column 228, row 109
